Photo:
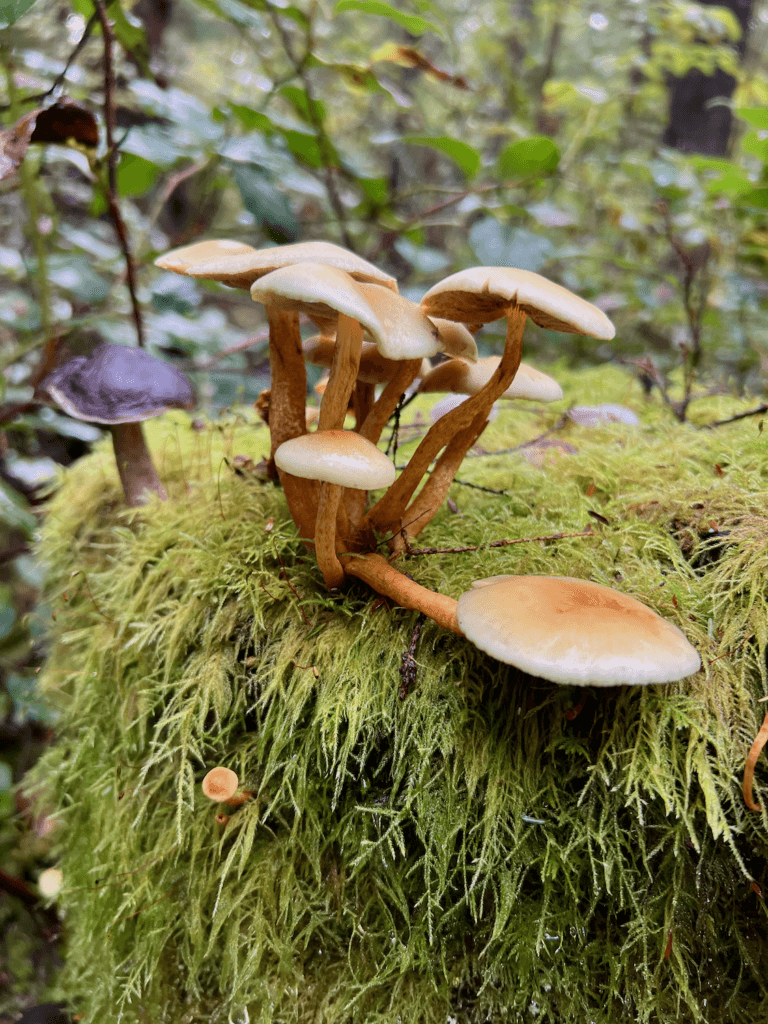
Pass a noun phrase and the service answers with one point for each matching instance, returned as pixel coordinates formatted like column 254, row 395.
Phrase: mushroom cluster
column 371, row 336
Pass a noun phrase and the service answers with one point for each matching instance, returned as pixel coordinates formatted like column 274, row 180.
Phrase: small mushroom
column 221, row 785
column 120, row 387
column 574, row 631
column 338, row 458
column 459, row 377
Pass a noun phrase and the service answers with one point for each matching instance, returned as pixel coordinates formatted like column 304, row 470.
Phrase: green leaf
column 268, row 205
column 12, row 10
column 252, row 119
column 135, row 175
column 528, row 156
column 757, row 197
column 462, row 154
column 410, row 22
column 376, row 189
column 310, row 111
column 757, row 116
column 14, row 512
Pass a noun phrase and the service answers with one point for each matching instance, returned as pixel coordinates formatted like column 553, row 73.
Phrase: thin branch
column 763, row 407
column 111, row 189
column 412, row 552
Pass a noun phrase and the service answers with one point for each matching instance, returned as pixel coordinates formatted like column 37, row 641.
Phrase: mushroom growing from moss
column 221, row 785
column 574, row 631
column 121, row 387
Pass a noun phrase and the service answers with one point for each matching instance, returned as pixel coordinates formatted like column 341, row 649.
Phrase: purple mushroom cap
column 116, row 384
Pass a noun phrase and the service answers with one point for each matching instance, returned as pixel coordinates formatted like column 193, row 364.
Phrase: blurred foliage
column 425, row 135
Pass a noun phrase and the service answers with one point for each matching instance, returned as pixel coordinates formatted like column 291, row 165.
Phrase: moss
column 474, row 851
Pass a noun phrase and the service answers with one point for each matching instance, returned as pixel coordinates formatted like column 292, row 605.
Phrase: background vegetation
column 425, row 136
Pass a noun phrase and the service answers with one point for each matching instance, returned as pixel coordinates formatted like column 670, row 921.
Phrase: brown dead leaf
column 56, row 124
column 418, row 60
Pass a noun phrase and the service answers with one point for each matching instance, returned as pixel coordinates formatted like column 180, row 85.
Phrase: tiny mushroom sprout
column 120, row 387
column 221, row 785
column 476, row 296
column 573, row 631
column 338, row 458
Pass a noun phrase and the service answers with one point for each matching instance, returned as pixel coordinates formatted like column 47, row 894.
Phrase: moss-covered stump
column 486, row 848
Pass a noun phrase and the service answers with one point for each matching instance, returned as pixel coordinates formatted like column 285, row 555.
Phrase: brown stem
column 287, row 418
column 385, row 579
column 344, row 367
column 325, row 535
column 387, row 401
column 363, row 399
column 134, row 464
column 749, row 769
column 424, row 508
column 387, row 513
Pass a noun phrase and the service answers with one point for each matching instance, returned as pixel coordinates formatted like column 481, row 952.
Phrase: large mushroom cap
column 337, row 457
column 116, row 384
column 180, row 260
column 479, row 295
column 574, row 631
column 463, row 378
column 398, row 327
column 240, row 271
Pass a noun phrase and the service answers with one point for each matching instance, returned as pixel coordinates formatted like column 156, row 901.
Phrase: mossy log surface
column 484, row 849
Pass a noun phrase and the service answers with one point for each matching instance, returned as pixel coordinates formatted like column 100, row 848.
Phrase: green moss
column 469, row 851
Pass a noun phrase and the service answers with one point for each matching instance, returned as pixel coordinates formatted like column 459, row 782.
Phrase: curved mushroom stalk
column 344, row 365
column 385, row 579
column 134, row 464
column 387, row 514
column 325, row 535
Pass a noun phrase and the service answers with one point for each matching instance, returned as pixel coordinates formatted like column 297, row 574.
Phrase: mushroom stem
column 426, row 505
column 385, row 579
column 749, row 769
column 134, row 464
column 363, row 398
column 388, row 511
column 344, row 367
column 287, row 417
column 387, row 401
column 325, row 535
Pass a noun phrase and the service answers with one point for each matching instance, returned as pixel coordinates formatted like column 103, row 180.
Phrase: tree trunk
column 696, row 123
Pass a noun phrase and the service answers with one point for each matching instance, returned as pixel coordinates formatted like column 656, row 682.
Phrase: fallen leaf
column 269, row 525
column 56, row 124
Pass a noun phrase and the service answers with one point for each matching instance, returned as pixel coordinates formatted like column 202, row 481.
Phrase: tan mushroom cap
column 405, row 332
column 240, row 271
column 180, row 260
column 374, row 367
column 455, row 339
column 220, row 784
column 483, row 294
column 336, row 457
column 574, row 631
column 463, row 378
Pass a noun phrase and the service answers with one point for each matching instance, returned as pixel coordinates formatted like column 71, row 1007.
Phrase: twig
column 493, row 544
column 562, row 420
column 408, row 659
column 763, row 407
column 256, row 339
column 478, row 487
column 111, row 189
column 323, row 141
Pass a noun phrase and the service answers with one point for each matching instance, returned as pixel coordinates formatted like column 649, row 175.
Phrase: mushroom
column 463, row 378
column 120, row 387
column 221, row 785
column 288, row 374
column 180, row 260
column 338, row 458
column 481, row 295
column 573, row 631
